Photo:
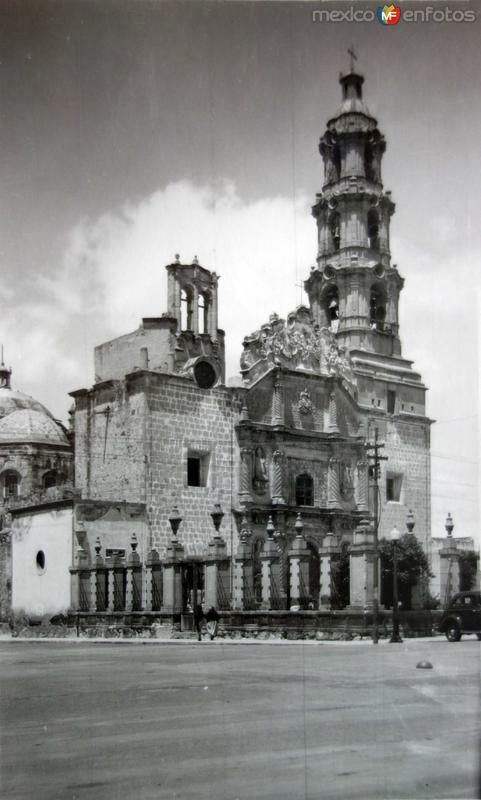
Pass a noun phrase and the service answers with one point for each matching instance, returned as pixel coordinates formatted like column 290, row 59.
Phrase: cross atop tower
column 353, row 56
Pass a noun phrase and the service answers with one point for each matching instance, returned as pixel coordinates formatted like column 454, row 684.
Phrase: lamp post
column 395, row 637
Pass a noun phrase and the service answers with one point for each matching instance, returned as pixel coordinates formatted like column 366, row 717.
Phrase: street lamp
column 217, row 515
column 410, row 521
column 175, row 519
column 395, row 637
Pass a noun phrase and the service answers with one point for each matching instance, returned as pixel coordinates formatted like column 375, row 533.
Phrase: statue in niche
column 260, row 478
column 346, row 480
column 304, row 403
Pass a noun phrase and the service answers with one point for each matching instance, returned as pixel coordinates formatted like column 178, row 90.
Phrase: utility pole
column 373, row 454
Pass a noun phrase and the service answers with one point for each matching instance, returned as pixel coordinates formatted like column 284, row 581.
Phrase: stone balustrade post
column 243, row 595
column 80, row 583
column 299, row 556
column 217, row 554
column 329, row 556
column 172, row 578
column 270, row 559
column 449, row 572
column 362, row 559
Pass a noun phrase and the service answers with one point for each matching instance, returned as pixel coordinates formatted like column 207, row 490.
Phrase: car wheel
column 453, row 634
column 478, row 635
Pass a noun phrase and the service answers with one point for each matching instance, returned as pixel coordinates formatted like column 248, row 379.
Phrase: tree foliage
column 412, row 568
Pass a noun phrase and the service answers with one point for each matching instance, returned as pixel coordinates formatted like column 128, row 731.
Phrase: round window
column 205, row 375
column 40, row 562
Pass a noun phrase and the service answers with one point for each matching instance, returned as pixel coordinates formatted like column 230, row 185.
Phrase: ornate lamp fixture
column 175, row 519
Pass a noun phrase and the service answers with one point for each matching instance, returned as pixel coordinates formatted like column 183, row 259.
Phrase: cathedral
column 259, row 493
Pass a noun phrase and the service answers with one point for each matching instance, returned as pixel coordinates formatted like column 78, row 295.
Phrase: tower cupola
column 353, row 214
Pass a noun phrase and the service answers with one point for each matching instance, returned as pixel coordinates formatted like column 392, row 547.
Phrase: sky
column 131, row 131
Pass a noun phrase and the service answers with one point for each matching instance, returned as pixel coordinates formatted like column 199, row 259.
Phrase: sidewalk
column 220, row 641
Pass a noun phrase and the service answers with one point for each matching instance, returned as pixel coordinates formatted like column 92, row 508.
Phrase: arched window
column 203, row 309
column 11, row 484
column 373, row 229
column 335, row 230
column 50, row 479
column 369, row 162
column 304, row 490
column 377, row 309
column 185, row 310
column 332, row 308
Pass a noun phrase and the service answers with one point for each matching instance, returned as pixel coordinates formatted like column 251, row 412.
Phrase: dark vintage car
column 462, row 615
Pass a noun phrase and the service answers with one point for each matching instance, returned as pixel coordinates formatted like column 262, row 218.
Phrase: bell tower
column 354, row 289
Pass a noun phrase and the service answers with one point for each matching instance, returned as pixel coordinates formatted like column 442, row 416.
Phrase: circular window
column 40, row 562
column 205, row 374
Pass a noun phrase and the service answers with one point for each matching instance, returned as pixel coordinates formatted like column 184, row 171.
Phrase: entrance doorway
column 192, row 585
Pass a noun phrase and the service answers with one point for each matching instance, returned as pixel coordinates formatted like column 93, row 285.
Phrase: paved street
column 289, row 721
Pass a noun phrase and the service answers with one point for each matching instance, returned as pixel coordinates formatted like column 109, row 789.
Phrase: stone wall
column 133, row 438
column 407, row 449
column 187, row 420
column 5, row 575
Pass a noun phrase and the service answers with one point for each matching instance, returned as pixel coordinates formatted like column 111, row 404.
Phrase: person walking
column 199, row 618
column 212, row 619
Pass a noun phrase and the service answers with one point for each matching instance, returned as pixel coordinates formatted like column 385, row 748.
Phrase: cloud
column 112, row 274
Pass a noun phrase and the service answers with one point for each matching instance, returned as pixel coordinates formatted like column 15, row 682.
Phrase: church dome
column 31, row 425
column 24, row 419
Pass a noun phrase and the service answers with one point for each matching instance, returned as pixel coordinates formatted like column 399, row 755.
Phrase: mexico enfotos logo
column 390, row 15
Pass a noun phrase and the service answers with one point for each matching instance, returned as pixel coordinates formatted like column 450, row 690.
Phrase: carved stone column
column 245, row 476
column 333, row 488
column 332, row 425
column 278, row 466
column 362, row 486
column 278, row 402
